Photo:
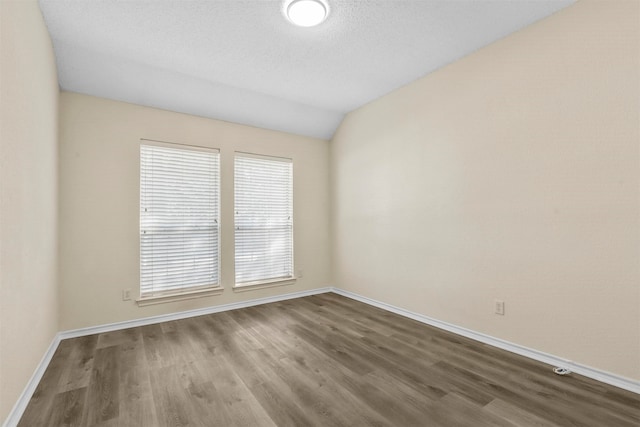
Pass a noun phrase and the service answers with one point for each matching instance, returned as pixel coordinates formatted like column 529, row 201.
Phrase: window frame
column 270, row 281
column 189, row 291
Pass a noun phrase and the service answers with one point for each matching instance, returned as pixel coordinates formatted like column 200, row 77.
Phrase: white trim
column 18, row 409
column 158, row 143
column 596, row 374
column 263, row 157
column 23, row 400
column 186, row 314
column 163, row 299
column 262, row 284
column 578, row 368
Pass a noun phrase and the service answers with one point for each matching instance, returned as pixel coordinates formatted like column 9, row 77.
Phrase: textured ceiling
column 242, row 61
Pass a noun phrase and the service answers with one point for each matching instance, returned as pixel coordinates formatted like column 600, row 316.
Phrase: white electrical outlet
column 300, row 274
column 499, row 307
column 126, row 294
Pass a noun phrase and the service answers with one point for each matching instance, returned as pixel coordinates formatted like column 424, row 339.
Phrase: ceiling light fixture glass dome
column 307, row 13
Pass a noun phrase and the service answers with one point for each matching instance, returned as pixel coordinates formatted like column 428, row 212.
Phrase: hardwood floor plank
column 136, row 399
column 242, row 406
column 270, row 390
column 222, row 324
column 457, row 411
column 572, row 390
column 67, row 408
column 359, row 352
column 38, row 410
column 517, row 416
column 373, row 396
column 311, row 395
column 102, row 401
column 569, row 415
column 170, row 399
column 122, row 336
column 131, row 351
column 323, row 360
column 77, row 369
column 200, row 339
column 349, row 407
column 158, row 353
column 337, row 352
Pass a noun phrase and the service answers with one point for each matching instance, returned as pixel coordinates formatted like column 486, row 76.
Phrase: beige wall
column 28, row 196
column 511, row 174
column 99, row 202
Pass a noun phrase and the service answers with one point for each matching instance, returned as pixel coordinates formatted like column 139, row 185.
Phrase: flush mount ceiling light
column 307, row 13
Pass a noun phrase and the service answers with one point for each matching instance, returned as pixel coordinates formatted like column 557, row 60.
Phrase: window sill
column 161, row 299
column 250, row 286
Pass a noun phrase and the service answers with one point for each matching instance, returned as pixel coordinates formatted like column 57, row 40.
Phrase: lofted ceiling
column 244, row 62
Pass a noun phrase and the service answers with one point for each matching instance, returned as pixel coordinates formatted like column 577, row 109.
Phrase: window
column 179, row 211
column 263, row 219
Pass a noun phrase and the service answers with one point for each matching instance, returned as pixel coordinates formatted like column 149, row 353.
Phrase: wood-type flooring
column 323, row 360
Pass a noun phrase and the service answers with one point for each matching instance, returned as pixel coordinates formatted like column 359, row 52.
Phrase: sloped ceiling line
column 243, row 62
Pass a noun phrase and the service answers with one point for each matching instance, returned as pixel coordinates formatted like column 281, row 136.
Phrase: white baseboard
column 186, row 314
column 22, row 402
column 599, row 375
column 18, row 409
column 587, row 371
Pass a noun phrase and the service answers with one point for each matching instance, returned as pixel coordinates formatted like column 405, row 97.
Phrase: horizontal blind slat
column 263, row 218
column 179, row 211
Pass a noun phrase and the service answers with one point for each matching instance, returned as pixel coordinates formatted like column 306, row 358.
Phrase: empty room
column 319, row 213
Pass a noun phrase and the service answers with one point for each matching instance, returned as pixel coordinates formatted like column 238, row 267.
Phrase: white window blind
column 263, row 219
column 179, row 207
